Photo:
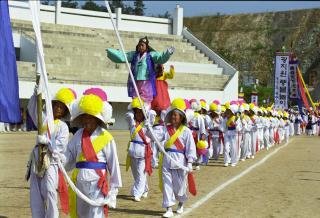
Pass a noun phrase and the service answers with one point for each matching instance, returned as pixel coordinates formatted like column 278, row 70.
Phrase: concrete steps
column 77, row 55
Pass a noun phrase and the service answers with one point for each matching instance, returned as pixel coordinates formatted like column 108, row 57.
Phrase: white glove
column 190, row 167
column 171, row 50
column 42, row 139
column 152, row 116
column 58, row 156
column 112, row 196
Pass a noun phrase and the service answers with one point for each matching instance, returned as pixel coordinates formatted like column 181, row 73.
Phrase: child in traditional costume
column 142, row 62
column 215, row 129
column 162, row 100
column 246, row 128
column 180, row 146
column 158, row 131
column 92, row 155
column 139, row 148
column 198, row 128
column 45, row 176
column 233, row 125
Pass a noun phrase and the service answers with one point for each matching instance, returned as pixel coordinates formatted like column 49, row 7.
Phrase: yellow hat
column 67, row 96
column 223, row 108
column 215, row 108
column 227, row 105
column 136, row 104
column 204, row 105
column 93, row 102
column 176, row 104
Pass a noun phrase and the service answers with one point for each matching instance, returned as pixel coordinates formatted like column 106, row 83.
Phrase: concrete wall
column 94, row 19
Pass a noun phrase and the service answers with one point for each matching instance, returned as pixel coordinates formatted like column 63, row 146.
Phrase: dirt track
column 287, row 185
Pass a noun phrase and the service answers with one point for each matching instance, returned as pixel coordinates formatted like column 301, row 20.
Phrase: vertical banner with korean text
column 293, row 79
column 281, row 80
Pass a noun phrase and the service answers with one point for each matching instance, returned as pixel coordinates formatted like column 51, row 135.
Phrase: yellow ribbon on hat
column 136, row 103
column 65, row 95
column 91, row 104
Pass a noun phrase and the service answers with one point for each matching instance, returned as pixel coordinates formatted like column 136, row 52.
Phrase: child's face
column 213, row 114
column 59, row 109
column 203, row 111
column 142, row 47
column 90, row 123
column 176, row 119
column 228, row 113
column 138, row 115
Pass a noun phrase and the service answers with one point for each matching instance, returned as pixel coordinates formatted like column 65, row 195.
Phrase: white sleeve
column 110, row 151
column 191, row 153
column 130, row 119
column 71, row 151
column 202, row 127
column 62, row 138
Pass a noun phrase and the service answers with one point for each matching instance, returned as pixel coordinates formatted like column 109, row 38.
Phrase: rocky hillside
column 249, row 41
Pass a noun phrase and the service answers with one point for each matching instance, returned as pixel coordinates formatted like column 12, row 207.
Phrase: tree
column 139, row 7
column 128, row 10
column 165, row 15
column 91, row 5
column 47, row 2
column 69, row 4
column 116, row 4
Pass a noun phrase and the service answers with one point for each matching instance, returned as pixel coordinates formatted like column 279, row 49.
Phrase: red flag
column 302, row 92
column 63, row 193
column 192, row 184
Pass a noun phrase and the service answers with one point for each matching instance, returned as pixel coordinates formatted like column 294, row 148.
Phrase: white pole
column 57, row 11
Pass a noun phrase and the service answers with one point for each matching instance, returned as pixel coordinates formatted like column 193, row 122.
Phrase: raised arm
column 170, row 74
column 161, row 57
column 117, row 55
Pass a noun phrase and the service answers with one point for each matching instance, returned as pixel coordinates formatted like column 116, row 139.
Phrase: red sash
column 148, row 151
column 180, row 147
column 177, row 143
column 90, row 155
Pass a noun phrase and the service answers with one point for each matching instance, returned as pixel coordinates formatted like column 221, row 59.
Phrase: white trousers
column 266, row 138
column 215, row 148
column 297, row 129
column 230, row 149
column 252, row 148
column 90, row 189
column 155, row 154
column 245, row 145
column 140, row 184
column 43, row 193
column 271, row 136
column 291, row 127
column 174, row 186
column 261, row 141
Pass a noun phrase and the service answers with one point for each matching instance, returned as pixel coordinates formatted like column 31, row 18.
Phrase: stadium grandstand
column 75, row 41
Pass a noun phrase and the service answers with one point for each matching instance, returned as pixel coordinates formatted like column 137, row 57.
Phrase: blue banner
column 9, row 87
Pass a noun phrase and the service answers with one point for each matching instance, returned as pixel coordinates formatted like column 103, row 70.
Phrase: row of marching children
column 190, row 133
column 91, row 155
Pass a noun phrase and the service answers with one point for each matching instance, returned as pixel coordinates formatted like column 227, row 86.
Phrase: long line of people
column 192, row 132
